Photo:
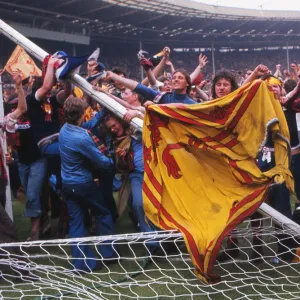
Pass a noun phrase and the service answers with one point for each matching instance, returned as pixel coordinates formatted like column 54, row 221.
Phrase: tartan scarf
column 100, row 145
column 124, row 164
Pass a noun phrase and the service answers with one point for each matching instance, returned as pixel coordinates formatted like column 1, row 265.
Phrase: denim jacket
column 80, row 155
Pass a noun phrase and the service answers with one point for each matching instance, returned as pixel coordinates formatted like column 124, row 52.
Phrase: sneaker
column 274, row 261
column 34, row 236
column 296, row 214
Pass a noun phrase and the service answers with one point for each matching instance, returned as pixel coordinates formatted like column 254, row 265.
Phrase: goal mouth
column 261, row 262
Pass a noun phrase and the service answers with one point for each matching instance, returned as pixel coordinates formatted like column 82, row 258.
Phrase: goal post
column 279, row 219
column 3, row 144
column 40, row 54
column 44, row 270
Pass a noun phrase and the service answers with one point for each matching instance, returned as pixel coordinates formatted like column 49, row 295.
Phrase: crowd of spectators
column 236, row 61
column 78, row 146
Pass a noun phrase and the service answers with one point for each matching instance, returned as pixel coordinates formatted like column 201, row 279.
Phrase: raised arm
column 129, row 83
column 119, row 100
column 159, row 68
column 133, row 85
column 202, row 63
column 259, row 71
column 170, row 64
column 147, row 65
column 94, row 122
column 151, row 77
column 49, row 79
column 294, row 70
column 202, row 95
column 22, row 106
column 91, row 67
column 291, row 97
column 62, row 96
column 278, row 71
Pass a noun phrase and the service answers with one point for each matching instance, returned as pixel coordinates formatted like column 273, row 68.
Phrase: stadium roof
column 200, row 10
column 171, row 21
column 256, row 4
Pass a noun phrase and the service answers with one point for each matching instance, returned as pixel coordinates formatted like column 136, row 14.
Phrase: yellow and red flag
column 201, row 175
column 88, row 114
column 20, row 61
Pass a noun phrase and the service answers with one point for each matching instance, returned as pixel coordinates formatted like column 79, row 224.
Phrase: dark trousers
column 52, row 154
column 7, row 227
column 7, row 235
column 106, row 185
column 279, row 195
column 136, row 180
column 79, row 197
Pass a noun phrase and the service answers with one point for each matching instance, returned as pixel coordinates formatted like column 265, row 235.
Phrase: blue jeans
column 117, row 183
column 136, row 181
column 52, row 154
column 106, row 186
column 78, row 198
column 32, row 178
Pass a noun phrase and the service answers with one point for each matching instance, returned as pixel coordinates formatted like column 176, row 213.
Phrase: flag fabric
column 95, row 55
column 21, row 62
column 78, row 92
column 70, row 66
column 88, row 114
column 201, row 175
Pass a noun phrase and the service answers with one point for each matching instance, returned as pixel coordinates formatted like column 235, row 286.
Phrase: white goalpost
column 44, row 270
column 8, row 203
column 40, row 54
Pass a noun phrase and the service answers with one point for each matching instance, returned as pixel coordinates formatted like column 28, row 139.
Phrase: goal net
column 252, row 268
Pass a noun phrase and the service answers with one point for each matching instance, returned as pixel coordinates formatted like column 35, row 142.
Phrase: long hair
column 109, row 115
column 223, row 75
column 289, row 85
column 187, row 78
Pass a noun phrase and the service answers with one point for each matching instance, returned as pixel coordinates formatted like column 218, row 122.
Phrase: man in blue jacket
column 80, row 156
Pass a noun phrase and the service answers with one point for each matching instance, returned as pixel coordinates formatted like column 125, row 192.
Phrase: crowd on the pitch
column 67, row 148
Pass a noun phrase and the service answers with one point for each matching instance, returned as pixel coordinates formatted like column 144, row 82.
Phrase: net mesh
column 248, row 263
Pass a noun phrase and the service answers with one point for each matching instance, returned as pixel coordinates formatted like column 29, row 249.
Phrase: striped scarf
column 125, row 164
column 100, row 145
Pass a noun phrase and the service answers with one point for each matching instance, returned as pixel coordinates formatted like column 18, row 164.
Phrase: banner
column 201, row 175
column 21, row 62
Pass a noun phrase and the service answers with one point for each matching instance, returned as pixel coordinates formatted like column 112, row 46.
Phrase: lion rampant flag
column 201, row 175
column 20, row 61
